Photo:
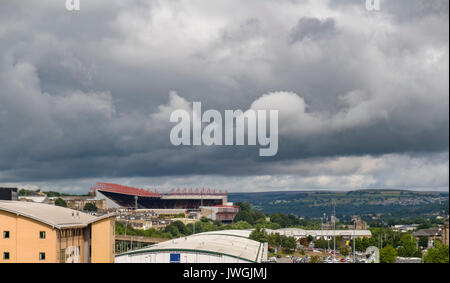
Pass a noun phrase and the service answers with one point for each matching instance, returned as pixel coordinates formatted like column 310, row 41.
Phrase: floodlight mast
column 334, row 231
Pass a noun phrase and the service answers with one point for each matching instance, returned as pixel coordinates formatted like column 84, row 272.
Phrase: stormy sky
column 363, row 96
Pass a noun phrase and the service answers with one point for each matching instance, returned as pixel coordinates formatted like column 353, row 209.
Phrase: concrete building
column 78, row 202
column 39, row 199
column 324, row 234
column 139, row 224
column 445, row 234
column 119, row 196
column 35, row 232
column 224, row 213
column 404, row 228
column 431, row 233
column 8, row 194
column 211, row 247
column 185, row 221
column 358, row 223
column 301, row 233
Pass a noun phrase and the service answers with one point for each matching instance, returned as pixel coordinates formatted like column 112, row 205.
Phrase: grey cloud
column 82, row 96
column 312, row 28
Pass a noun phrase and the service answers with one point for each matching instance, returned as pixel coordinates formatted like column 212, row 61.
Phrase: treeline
column 272, row 221
column 314, row 204
column 275, row 240
column 123, row 229
column 178, row 229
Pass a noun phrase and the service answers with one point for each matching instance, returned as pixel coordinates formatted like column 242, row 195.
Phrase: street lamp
column 354, row 237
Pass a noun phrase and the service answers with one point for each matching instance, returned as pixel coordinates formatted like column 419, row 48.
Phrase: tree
column 180, row 227
column 423, row 241
column 173, row 230
column 408, row 247
column 258, row 235
column 362, row 244
column 60, row 202
column 275, row 239
column 388, row 254
column 304, row 242
column 321, row 244
column 90, row 207
column 344, row 251
column 439, row 254
column 248, row 214
column 289, row 244
column 244, row 215
column 241, row 225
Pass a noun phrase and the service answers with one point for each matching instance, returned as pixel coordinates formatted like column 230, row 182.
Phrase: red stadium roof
column 114, row 188
column 196, row 191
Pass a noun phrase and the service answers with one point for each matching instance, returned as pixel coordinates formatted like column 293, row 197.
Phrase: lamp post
column 334, row 232
column 354, row 237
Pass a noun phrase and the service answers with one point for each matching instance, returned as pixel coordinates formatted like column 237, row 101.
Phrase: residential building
column 36, row 232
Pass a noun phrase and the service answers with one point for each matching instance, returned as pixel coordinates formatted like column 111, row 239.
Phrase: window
column 41, row 234
column 6, row 255
column 41, row 256
column 6, row 234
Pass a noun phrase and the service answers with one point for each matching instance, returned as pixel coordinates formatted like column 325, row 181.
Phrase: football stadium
column 119, row 196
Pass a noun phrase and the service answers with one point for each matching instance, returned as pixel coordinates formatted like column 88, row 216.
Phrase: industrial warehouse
column 301, row 233
column 35, row 232
column 226, row 246
column 211, row 247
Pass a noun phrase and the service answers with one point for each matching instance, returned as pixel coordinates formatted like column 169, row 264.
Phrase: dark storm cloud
column 87, row 94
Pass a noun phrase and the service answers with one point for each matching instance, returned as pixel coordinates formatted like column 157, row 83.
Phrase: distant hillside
column 363, row 202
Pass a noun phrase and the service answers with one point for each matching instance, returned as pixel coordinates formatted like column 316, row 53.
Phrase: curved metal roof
column 212, row 243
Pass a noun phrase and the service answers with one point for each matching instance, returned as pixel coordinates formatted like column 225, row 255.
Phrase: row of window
column 7, row 256
column 67, row 233
column 7, row 234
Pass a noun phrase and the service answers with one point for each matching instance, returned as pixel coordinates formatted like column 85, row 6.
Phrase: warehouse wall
column 184, row 257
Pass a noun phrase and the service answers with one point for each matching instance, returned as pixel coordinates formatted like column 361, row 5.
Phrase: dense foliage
column 288, row 244
column 90, row 207
column 60, row 202
column 391, row 244
column 409, row 247
column 392, row 204
column 123, row 229
column 388, row 254
column 439, row 254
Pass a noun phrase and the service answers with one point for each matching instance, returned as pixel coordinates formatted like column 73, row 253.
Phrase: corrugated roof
column 215, row 243
column 238, row 233
column 120, row 189
column 428, row 232
column 296, row 232
column 55, row 216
